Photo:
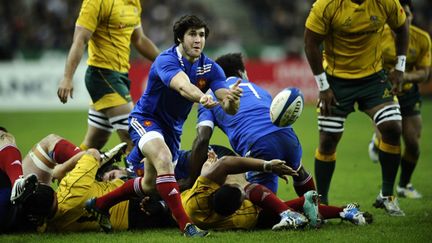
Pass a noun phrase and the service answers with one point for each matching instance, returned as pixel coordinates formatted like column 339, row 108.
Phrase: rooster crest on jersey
column 286, row 107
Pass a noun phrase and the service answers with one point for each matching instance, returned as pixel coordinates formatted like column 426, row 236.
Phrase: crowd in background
column 30, row 26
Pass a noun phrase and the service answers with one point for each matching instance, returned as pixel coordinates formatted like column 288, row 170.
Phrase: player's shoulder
column 167, row 55
column 206, row 61
column 326, row 5
column 172, row 51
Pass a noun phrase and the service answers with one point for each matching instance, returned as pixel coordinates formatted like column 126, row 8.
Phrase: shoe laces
column 293, row 218
column 351, row 211
column 191, row 229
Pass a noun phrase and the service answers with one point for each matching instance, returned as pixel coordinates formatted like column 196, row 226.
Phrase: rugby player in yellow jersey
column 350, row 71
column 108, row 27
column 63, row 210
column 222, row 199
column 418, row 64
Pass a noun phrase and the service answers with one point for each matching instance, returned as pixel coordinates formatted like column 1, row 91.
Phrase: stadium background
column 34, row 40
column 36, row 35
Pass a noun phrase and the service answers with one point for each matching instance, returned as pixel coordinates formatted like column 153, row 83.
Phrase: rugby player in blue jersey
column 250, row 131
column 178, row 78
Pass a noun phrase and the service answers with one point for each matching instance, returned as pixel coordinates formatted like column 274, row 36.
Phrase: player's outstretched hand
column 235, row 91
column 231, row 102
column 207, row 101
column 65, row 89
column 280, row 168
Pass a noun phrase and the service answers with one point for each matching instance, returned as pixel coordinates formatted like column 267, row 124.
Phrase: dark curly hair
column 226, row 200
column 231, row 63
column 186, row 22
column 39, row 205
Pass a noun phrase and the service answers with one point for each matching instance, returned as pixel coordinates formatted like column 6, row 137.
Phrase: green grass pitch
column 356, row 179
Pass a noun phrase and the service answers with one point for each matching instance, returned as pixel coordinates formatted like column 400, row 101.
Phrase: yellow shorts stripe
column 109, row 100
column 325, row 157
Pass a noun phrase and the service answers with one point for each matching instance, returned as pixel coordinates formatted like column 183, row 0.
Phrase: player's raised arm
column 80, row 40
column 229, row 165
column 181, row 83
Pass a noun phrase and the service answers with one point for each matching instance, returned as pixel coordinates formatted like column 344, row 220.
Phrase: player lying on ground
column 63, row 211
column 53, row 156
column 222, row 199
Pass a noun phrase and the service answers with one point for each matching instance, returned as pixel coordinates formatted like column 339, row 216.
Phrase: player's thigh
column 107, row 88
column 124, row 109
column 48, row 143
column 96, row 137
column 375, row 95
column 143, row 130
column 157, row 153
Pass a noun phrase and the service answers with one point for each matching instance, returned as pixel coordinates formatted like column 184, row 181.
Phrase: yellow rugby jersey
column 112, row 23
column 352, row 44
column 196, row 204
column 419, row 49
column 74, row 190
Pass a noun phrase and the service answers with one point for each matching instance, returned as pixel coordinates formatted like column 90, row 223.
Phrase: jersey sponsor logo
column 359, row 33
column 122, row 26
column 147, row 123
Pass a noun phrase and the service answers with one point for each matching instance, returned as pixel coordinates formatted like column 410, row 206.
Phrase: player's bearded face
column 194, row 42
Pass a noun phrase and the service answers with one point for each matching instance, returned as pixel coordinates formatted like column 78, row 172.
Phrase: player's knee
column 412, row 147
column 388, row 120
column 390, row 130
column 50, row 139
column 163, row 162
column 93, row 152
column 328, row 143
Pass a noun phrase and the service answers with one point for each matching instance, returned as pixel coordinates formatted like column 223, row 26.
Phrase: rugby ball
column 286, row 107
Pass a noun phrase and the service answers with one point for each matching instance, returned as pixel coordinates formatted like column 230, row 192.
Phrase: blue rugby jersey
column 166, row 105
column 251, row 122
